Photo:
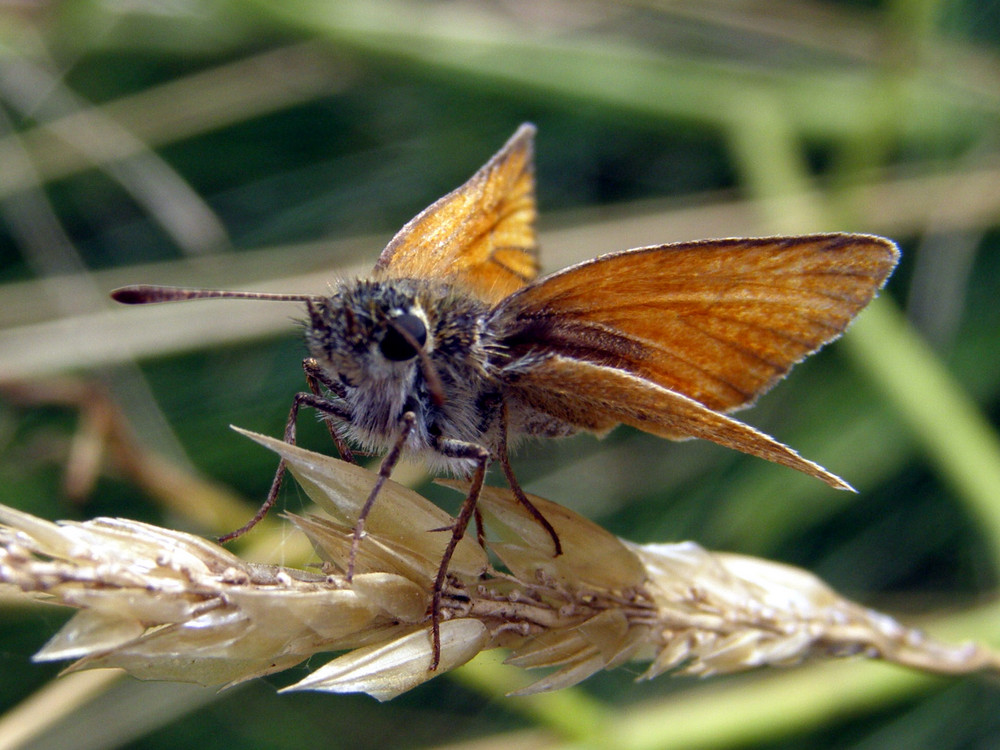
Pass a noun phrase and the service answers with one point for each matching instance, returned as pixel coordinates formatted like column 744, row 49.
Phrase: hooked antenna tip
column 131, row 295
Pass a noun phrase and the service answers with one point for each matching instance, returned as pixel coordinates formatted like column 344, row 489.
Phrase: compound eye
column 403, row 332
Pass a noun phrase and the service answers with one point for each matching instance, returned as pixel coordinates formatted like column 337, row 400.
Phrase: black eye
column 396, row 344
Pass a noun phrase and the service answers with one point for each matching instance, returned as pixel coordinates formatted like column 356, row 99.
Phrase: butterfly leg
column 384, row 472
column 480, row 529
column 301, row 399
column 477, row 453
column 315, row 376
column 515, row 487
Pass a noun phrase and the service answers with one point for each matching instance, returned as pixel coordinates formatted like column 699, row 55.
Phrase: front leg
column 384, row 472
column 325, row 405
column 314, row 376
column 479, row 454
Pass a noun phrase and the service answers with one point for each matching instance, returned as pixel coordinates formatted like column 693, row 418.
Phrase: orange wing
column 597, row 398
column 666, row 338
column 718, row 321
column 481, row 235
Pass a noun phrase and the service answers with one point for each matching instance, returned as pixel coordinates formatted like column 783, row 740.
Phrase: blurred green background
column 275, row 144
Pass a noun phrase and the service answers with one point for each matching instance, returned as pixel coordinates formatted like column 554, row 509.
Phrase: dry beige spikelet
column 171, row 606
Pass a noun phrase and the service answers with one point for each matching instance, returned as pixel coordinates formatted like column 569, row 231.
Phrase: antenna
column 141, row 294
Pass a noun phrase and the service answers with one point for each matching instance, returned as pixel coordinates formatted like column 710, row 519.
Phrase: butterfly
column 454, row 348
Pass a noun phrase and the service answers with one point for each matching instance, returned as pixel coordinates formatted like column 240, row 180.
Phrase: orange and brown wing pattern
column 597, row 398
column 482, row 235
column 718, row 321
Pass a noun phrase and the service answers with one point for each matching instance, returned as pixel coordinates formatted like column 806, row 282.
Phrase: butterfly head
column 369, row 333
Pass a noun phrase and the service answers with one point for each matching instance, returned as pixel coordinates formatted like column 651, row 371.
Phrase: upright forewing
column 718, row 321
column 481, row 235
column 596, row 398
